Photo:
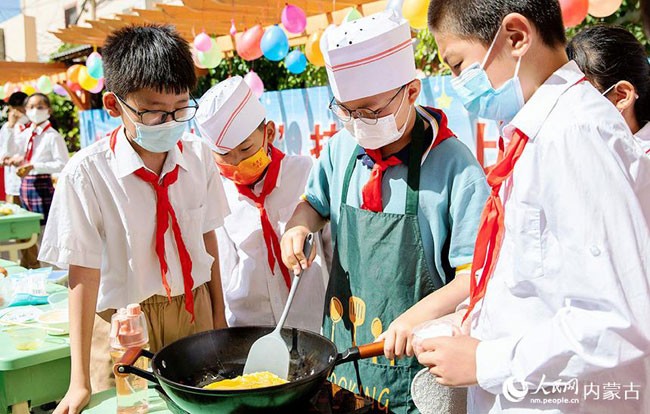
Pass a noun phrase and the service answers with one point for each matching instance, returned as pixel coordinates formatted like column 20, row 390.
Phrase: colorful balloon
column 312, row 49
column 95, row 65
column 28, row 88
column 275, row 44
column 603, row 8
column 254, row 82
column 248, row 44
column 415, row 11
column 352, row 15
column 574, row 11
column 99, row 87
column 73, row 86
column 296, row 62
column 2, row 92
column 73, row 73
column 294, row 19
column 44, row 84
column 202, row 42
column 60, row 90
column 212, row 57
column 86, row 81
column 195, row 58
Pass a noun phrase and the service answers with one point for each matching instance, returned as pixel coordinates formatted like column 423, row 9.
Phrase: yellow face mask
column 249, row 170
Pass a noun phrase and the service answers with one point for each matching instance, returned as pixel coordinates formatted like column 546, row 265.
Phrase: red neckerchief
column 270, row 237
column 165, row 211
column 491, row 228
column 30, row 143
column 371, row 192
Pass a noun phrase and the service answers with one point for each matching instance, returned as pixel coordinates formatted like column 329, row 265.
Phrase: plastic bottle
column 129, row 329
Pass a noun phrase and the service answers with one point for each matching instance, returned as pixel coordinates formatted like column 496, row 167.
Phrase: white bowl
column 56, row 319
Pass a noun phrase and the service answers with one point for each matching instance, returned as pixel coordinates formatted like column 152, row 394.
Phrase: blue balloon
column 296, row 62
column 275, row 44
column 96, row 70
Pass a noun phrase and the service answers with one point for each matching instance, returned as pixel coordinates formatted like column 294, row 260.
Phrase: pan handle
column 361, row 352
column 125, row 366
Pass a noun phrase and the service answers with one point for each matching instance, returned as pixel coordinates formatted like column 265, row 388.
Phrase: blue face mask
column 156, row 138
column 479, row 97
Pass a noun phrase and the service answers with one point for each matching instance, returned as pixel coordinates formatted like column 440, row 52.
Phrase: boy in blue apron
column 402, row 194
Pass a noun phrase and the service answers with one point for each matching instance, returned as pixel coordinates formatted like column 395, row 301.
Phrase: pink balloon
column 59, row 90
column 202, row 42
column 233, row 28
column 248, row 44
column 74, row 86
column 99, row 87
column 294, row 19
column 574, row 11
column 254, row 82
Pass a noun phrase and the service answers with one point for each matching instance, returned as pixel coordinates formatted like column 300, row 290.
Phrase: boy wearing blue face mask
column 402, row 194
column 134, row 214
column 560, row 272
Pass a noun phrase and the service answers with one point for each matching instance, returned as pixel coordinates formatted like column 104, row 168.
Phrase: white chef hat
column 228, row 113
column 368, row 56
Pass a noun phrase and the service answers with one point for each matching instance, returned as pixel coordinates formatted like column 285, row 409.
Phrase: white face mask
column 156, row 138
column 38, row 116
column 376, row 136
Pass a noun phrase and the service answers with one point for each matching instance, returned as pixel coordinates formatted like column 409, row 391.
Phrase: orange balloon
column 248, row 43
column 312, row 49
column 604, row 8
column 73, row 73
column 573, row 11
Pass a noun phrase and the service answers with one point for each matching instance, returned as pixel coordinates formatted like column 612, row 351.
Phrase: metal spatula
column 270, row 352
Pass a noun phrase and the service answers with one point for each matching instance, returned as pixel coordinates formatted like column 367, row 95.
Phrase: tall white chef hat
column 368, row 56
column 228, row 113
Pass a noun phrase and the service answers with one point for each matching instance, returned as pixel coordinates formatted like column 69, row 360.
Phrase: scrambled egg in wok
column 247, row 382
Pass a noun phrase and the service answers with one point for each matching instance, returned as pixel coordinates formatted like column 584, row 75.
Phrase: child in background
column 134, row 214
column 616, row 63
column 263, row 187
column 560, row 272
column 17, row 122
column 37, row 152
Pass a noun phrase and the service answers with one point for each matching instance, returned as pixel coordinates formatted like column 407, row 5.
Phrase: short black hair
column 17, row 99
column 38, row 95
column 610, row 54
column 148, row 56
column 481, row 19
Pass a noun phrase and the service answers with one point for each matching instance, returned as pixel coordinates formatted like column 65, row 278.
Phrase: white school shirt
column 49, row 153
column 253, row 295
column 7, row 138
column 643, row 138
column 570, row 294
column 104, row 217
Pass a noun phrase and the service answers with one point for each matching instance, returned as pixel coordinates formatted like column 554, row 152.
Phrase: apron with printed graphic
column 379, row 271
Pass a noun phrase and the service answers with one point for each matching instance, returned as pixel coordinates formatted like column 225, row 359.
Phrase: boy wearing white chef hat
column 403, row 200
column 263, row 187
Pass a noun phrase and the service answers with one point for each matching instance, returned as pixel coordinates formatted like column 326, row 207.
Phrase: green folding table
column 19, row 231
column 32, row 378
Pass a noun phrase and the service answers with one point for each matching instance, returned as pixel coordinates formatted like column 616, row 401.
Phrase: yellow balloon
column 28, row 89
column 415, row 11
column 85, row 80
column 312, row 49
column 604, row 8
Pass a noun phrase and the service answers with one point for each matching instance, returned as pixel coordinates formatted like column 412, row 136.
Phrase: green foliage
column 66, row 119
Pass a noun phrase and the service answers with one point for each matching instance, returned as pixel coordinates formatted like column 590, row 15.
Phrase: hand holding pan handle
column 361, row 352
column 125, row 365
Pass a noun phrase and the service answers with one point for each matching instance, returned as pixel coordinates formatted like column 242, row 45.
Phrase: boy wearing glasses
column 134, row 214
column 403, row 197
column 263, row 186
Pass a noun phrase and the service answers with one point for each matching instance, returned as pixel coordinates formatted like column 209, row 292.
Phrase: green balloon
column 212, row 57
column 2, row 92
column 353, row 15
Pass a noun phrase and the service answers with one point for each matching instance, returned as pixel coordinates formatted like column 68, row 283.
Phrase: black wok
column 182, row 368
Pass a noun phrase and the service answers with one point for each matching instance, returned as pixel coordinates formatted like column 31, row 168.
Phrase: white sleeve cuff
column 494, row 363
column 63, row 258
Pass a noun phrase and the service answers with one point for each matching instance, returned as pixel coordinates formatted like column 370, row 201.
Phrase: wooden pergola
column 215, row 16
